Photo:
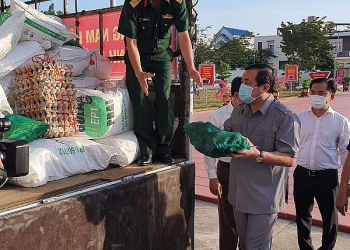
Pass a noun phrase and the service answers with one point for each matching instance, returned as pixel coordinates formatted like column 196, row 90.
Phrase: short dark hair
column 266, row 74
column 331, row 85
column 236, row 84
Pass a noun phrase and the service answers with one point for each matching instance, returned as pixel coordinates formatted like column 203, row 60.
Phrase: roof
column 236, row 32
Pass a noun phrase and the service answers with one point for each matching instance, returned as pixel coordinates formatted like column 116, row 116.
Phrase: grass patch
column 286, row 93
column 199, row 101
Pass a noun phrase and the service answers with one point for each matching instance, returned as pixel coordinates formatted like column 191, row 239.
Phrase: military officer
column 146, row 27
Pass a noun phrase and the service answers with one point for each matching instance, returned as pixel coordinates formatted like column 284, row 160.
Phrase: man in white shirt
column 324, row 136
column 219, row 175
column 344, row 187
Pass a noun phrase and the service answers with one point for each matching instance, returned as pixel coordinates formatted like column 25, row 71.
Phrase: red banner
column 291, row 73
column 113, row 42
column 319, row 74
column 207, row 72
column 341, row 72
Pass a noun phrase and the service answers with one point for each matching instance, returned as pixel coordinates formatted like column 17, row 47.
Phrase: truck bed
column 14, row 196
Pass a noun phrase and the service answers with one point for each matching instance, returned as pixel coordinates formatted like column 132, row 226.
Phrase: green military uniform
column 151, row 28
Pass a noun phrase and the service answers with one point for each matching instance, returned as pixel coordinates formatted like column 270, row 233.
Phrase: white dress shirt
column 323, row 140
column 217, row 118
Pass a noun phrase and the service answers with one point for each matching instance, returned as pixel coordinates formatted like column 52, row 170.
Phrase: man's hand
column 142, row 77
column 196, row 76
column 342, row 203
column 253, row 152
column 1, row 165
column 215, row 187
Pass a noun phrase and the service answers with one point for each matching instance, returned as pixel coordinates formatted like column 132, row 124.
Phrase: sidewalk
column 340, row 104
column 284, row 235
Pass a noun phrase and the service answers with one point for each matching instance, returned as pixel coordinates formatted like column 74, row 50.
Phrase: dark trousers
column 322, row 186
column 228, row 238
column 152, row 141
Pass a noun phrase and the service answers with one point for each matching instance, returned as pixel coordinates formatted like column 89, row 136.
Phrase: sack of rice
column 11, row 27
column 103, row 113
column 41, row 28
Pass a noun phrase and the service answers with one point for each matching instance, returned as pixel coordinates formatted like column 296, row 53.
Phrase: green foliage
column 346, row 79
column 234, row 52
column 51, row 11
column 263, row 57
column 326, row 61
column 203, row 51
column 306, row 44
column 223, row 70
column 306, row 83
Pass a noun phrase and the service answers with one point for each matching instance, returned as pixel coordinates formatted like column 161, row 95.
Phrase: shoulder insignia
column 134, row 3
column 179, row 1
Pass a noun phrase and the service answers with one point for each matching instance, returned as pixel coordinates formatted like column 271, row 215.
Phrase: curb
column 281, row 215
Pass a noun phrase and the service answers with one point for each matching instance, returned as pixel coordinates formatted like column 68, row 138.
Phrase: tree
column 203, row 50
column 223, row 70
column 51, row 11
column 306, row 43
column 235, row 52
column 326, row 62
column 263, row 56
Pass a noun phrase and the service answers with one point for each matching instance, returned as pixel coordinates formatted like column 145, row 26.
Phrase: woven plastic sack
column 212, row 141
column 26, row 129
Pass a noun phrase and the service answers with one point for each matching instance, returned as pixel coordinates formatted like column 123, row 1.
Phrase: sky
column 258, row 16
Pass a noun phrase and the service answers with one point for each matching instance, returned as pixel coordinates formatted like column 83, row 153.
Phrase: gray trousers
column 255, row 230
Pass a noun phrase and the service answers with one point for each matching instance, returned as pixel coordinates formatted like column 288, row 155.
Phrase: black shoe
column 165, row 158
column 145, row 160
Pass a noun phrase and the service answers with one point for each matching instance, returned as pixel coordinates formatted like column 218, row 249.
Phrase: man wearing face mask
column 218, row 174
column 324, row 136
column 257, row 180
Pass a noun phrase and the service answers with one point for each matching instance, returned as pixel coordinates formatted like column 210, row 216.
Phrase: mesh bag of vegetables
column 26, row 129
column 212, row 141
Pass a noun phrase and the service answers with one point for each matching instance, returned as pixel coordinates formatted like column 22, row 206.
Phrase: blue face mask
column 245, row 94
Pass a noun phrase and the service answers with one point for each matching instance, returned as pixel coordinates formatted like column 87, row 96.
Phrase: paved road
column 284, row 235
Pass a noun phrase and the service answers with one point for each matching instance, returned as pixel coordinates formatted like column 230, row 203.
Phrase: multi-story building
column 341, row 43
column 272, row 43
column 226, row 34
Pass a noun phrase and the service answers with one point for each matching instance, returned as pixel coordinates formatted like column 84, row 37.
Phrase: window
column 271, row 46
column 282, row 64
column 259, row 46
column 337, row 46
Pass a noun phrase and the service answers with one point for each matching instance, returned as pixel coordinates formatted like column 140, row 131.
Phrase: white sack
column 5, row 108
column 41, row 28
column 99, row 66
column 20, row 55
column 54, row 159
column 125, row 145
column 78, row 57
column 104, row 113
column 87, row 82
column 11, row 27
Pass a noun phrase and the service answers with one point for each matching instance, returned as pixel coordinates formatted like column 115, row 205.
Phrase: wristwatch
column 260, row 158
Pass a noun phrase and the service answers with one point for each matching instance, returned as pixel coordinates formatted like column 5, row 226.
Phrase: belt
column 315, row 172
column 224, row 163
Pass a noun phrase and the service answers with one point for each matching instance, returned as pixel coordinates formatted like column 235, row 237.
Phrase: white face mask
column 317, row 101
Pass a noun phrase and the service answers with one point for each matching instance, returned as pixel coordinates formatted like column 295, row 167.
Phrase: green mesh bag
column 214, row 142
column 26, row 129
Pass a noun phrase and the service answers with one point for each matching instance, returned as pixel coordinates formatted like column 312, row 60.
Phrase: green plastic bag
column 24, row 128
column 212, row 141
